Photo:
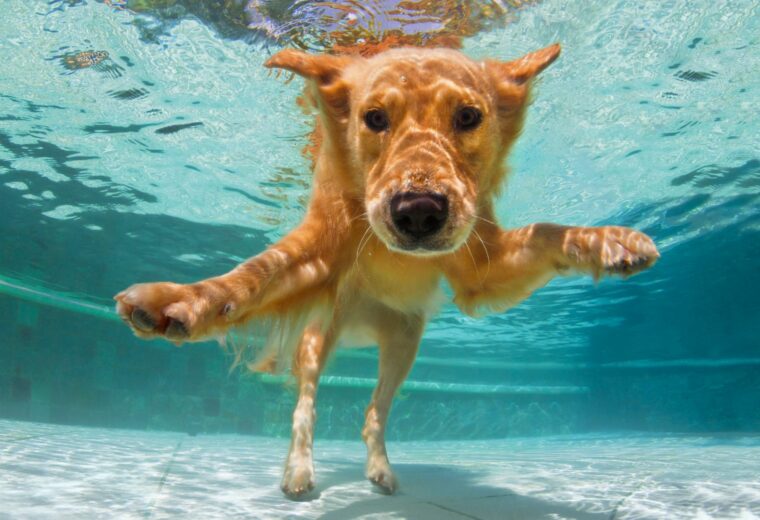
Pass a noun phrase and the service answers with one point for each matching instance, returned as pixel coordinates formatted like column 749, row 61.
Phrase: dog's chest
column 398, row 281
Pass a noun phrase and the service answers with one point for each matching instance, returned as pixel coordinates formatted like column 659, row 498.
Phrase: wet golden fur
column 349, row 270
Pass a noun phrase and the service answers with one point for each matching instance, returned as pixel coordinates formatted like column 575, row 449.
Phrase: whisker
column 365, row 214
column 474, row 264
column 486, row 220
column 488, row 257
column 369, row 237
column 362, row 244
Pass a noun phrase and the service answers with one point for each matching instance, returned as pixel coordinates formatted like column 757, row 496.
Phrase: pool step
column 437, row 387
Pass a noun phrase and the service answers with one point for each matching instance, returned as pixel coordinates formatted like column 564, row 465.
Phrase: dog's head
column 421, row 133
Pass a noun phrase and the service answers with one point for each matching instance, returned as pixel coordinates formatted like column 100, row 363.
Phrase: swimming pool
column 144, row 143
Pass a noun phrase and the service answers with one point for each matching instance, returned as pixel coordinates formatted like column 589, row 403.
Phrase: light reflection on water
column 325, row 25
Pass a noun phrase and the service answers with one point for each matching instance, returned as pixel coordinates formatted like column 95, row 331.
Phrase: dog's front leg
column 497, row 269
column 204, row 309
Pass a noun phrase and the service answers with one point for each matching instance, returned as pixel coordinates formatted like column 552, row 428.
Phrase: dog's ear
column 511, row 79
column 323, row 69
column 526, row 68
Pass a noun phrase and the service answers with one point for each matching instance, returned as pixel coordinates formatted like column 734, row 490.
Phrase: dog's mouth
column 419, row 223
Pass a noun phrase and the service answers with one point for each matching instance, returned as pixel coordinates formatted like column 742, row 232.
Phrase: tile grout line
column 465, row 515
column 162, row 481
column 614, row 512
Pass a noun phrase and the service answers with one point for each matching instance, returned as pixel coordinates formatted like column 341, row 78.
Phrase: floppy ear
column 324, row 70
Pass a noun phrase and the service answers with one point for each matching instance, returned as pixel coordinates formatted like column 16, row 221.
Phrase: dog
column 410, row 155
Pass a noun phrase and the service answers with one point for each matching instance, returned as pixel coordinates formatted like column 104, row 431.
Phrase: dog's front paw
column 298, row 481
column 610, row 250
column 174, row 311
column 380, row 474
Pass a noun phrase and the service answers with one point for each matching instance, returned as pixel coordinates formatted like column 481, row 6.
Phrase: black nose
column 419, row 215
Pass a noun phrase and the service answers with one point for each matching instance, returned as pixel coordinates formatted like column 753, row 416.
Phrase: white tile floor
column 49, row 471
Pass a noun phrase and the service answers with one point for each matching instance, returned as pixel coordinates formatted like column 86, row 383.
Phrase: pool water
column 144, row 140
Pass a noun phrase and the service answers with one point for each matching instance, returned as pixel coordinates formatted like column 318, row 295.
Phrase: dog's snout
column 419, row 215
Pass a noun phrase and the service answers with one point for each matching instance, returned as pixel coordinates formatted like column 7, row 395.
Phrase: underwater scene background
column 144, row 140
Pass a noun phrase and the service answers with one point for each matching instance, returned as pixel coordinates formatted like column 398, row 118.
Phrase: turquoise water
column 167, row 151
column 177, row 155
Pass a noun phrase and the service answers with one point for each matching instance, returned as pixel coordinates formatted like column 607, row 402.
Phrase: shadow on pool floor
column 442, row 492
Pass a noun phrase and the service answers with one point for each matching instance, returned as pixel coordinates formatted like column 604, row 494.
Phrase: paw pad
column 143, row 321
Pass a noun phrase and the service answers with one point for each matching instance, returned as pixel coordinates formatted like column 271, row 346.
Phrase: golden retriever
column 411, row 152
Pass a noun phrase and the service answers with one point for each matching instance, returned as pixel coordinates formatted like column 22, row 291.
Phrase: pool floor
column 49, row 471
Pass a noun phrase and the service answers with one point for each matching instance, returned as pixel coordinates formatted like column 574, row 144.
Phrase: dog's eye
column 467, row 118
column 376, row 120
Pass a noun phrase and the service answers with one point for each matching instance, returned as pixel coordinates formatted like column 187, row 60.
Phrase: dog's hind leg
column 310, row 358
column 398, row 338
